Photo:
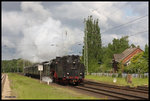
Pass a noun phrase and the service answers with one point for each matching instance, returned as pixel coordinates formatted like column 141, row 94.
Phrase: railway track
column 143, row 88
column 134, row 89
column 3, row 78
column 114, row 92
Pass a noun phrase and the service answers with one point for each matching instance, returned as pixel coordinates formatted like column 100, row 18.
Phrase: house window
column 127, row 63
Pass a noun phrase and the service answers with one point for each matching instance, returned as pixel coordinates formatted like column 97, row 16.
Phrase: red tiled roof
column 125, row 53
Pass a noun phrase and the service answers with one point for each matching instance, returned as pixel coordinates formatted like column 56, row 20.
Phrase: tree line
column 14, row 65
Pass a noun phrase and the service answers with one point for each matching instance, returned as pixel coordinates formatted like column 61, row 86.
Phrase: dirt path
column 6, row 93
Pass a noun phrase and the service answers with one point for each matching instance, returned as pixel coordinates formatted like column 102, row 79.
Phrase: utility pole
column 85, row 48
column 23, row 65
column 40, row 76
column 17, row 67
column 66, row 40
column 86, row 53
column 62, row 44
column 84, row 45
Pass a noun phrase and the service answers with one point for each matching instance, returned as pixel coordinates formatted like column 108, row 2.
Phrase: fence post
column 129, row 78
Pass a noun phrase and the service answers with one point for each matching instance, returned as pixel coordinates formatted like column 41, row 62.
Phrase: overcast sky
column 40, row 31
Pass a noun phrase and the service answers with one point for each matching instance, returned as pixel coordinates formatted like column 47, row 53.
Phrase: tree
column 92, row 44
column 146, row 52
column 138, row 46
column 139, row 64
column 121, row 67
column 117, row 46
column 132, row 45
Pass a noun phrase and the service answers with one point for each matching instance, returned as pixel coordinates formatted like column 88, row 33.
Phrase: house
column 125, row 57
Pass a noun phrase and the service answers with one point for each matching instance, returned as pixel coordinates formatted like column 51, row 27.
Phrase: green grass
column 28, row 88
column 120, row 81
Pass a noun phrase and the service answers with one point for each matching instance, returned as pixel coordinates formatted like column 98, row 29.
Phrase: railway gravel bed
column 141, row 89
column 105, row 92
column 124, row 92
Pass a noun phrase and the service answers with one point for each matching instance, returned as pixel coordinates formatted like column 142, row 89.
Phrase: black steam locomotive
column 64, row 70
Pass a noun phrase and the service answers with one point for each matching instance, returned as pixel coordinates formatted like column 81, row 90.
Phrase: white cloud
column 39, row 32
column 12, row 21
column 138, row 40
column 34, row 11
column 107, row 38
column 104, row 11
column 7, row 43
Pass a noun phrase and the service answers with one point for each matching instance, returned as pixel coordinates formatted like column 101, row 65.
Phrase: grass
column 120, row 81
column 28, row 88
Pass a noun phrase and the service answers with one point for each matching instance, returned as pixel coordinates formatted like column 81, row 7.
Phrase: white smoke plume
column 44, row 37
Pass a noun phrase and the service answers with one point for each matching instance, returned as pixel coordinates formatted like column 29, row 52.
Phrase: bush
column 120, row 75
column 113, row 75
column 142, row 75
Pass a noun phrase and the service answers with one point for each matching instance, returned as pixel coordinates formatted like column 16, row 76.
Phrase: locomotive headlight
column 67, row 73
column 74, row 62
column 80, row 73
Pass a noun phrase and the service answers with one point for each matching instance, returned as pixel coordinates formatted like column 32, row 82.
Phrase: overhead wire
column 115, row 27
column 121, row 24
column 138, row 33
column 125, row 23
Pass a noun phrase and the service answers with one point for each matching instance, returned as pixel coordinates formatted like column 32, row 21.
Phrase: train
column 63, row 70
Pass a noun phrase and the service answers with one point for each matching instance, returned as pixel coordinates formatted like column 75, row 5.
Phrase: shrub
column 120, row 75
column 113, row 75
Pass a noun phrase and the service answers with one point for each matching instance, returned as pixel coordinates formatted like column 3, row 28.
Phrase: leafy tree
column 146, row 52
column 117, row 46
column 139, row 64
column 133, row 46
column 138, row 46
column 92, row 44
column 121, row 67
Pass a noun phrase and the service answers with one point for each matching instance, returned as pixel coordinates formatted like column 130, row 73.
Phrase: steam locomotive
column 63, row 70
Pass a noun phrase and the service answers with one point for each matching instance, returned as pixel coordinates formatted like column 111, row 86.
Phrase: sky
column 40, row 31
